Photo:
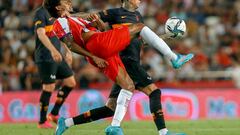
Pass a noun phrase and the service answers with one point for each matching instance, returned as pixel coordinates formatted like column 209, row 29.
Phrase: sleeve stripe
column 64, row 24
column 85, row 29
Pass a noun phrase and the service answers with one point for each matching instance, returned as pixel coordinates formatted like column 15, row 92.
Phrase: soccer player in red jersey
column 82, row 38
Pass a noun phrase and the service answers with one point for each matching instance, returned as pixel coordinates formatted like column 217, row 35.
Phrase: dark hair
column 50, row 5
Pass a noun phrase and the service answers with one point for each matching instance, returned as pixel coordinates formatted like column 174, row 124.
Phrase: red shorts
column 107, row 45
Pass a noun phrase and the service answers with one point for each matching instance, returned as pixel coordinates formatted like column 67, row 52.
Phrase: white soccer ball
column 175, row 27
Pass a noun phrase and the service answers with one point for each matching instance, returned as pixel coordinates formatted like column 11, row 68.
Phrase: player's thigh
column 139, row 76
column 134, row 29
column 65, row 72
column 109, row 43
column 119, row 40
column 47, row 72
column 124, row 80
column 117, row 73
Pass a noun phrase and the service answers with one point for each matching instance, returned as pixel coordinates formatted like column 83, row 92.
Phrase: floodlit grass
column 202, row 127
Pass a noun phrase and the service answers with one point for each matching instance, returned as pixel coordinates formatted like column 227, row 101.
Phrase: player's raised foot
column 114, row 130
column 61, row 126
column 169, row 133
column 181, row 60
column 52, row 118
column 45, row 125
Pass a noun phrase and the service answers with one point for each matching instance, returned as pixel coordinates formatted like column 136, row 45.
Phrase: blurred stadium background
column 208, row 87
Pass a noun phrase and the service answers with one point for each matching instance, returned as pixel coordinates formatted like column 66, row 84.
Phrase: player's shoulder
column 60, row 23
column 114, row 10
column 61, row 19
column 40, row 11
column 137, row 12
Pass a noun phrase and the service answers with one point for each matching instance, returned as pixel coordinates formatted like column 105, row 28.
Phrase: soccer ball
column 175, row 27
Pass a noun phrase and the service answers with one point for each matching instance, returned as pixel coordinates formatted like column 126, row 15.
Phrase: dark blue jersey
column 42, row 19
column 121, row 16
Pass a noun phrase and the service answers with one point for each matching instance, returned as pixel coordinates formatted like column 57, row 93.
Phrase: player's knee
column 112, row 103
column 130, row 86
column 70, row 82
column 49, row 87
column 127, row 84
column 149, row 89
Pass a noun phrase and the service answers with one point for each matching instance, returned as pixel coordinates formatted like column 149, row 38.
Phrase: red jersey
column 105, row 45
column 74, row 26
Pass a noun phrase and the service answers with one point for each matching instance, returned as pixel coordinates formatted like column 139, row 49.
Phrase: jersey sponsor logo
column 53, row 76
column 149, row 78
column 38, row 22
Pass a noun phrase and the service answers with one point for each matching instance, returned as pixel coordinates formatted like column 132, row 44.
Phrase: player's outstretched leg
column 155, row 41
column 61, row 126
column 125, row 95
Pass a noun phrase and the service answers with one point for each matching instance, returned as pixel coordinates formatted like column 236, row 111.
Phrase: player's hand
column 69, row 59
column 57, row 57
column 101, row 63
column 93, row 17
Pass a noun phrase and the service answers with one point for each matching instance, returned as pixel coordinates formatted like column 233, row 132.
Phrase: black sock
column 156, row 109
column 61, row 96
column 44, row 102
column 92, row 115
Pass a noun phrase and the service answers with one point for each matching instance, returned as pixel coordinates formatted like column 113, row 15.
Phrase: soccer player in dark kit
column 51, row 66
column 127, row 15
column 76, row 32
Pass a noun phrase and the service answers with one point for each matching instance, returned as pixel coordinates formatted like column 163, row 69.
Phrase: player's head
column 58, row 8
column 134, row 3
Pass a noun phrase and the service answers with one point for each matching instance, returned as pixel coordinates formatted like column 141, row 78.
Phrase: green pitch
column 203, row 127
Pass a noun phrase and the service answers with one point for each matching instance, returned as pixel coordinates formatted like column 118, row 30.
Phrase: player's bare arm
column 83, row 15
column 41, row 33
column 88, row 16
column 67, row 55
column 96, row 21
column 74, row 47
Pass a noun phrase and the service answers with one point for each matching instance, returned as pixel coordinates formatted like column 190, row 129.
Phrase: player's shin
column 121, row 108
column 61, row 96
column 155, row 41
column 156, row 110
column 44, row 102
column 89, row 116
